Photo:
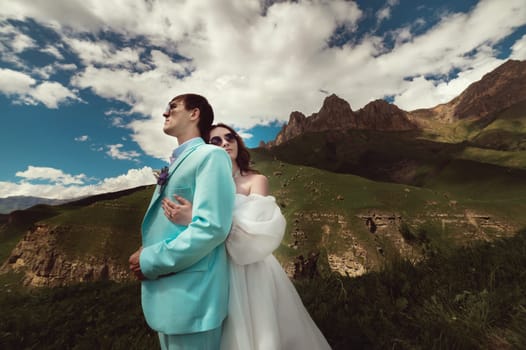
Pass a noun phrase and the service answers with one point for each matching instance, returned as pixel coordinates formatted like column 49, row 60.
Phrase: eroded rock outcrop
column 39, row 256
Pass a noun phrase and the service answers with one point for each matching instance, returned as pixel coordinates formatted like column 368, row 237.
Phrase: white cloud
column 519, row 49
column 245, row 135
column 26, row 90
column 82, row 138
column 13, row 38
column 52, row 175
column 66, row 66
column 384, row 13
column 53, row 51
column 103, row 53
column 114, row 151
column 45, row 72
column 134, row 178
column 51, row 94
column 12, row 43
column 61, row 190
column 13, row 82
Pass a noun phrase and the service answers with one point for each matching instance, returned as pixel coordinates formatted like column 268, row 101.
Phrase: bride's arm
column 258, row 225
column 179, row 212
column 257, row 230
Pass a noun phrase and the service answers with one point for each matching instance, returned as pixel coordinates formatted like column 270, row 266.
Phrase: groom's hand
column 135, row 266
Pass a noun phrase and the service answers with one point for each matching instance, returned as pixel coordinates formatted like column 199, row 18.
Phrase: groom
column 183, row 269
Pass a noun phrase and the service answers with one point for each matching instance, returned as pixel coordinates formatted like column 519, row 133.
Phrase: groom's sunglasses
column 218, row 140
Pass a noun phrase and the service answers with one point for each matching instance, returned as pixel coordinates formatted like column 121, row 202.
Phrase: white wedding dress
column 265, row 311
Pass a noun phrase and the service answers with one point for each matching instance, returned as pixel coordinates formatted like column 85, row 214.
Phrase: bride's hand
column 179, row 212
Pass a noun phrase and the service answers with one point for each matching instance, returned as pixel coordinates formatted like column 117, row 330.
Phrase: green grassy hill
column 102, row 226
column 341, row 217
column 332, row 208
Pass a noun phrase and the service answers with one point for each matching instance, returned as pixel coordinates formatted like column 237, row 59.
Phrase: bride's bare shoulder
column 258, row 183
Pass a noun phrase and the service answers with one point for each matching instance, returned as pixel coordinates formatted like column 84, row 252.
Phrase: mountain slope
column 337, row 222
column 497, row 90
column 88, row 239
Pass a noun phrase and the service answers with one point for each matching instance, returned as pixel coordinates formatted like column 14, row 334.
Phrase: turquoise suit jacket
column 186, row 289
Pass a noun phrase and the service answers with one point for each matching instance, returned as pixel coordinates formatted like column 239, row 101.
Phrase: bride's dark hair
column 243, row 155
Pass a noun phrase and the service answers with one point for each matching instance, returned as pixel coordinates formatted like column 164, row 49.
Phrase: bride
column 265, row 311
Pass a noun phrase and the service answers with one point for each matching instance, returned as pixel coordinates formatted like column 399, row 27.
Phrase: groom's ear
column 196, row 113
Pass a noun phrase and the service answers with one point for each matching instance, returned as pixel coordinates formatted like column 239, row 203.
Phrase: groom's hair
column 206, row 113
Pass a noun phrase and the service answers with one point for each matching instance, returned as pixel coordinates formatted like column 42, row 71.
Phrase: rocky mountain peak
column 497, row 90
column 334, row 105
column 336, row 114
column 384, row 116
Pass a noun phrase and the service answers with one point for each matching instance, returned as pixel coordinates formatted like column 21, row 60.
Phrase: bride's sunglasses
column 218, row 140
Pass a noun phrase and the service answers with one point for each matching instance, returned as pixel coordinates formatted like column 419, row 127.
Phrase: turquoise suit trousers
column 208, row 340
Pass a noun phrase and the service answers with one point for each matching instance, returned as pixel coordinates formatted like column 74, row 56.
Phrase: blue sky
column 83, row 84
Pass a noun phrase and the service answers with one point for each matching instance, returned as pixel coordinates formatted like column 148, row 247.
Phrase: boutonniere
column 161, row 176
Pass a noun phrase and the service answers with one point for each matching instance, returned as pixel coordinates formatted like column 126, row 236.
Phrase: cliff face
column 336, row 114
column 40, row 258
column 295, row 127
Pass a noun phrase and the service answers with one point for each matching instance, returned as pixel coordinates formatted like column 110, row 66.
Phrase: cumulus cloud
column 14, row 82
column 14, row 39
column 103, row 53
column 519, row 49
column 244, row 135
column 55, row 176
column 51, row 94
column 115, row 152
column 53, row 51
column 24, row 88
column 385, row 12
column 82, row 138
column 74, row 188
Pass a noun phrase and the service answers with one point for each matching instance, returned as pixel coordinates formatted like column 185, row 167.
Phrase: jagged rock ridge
column 336, row 114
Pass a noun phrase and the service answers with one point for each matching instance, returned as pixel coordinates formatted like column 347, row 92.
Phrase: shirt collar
column 185, row 145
